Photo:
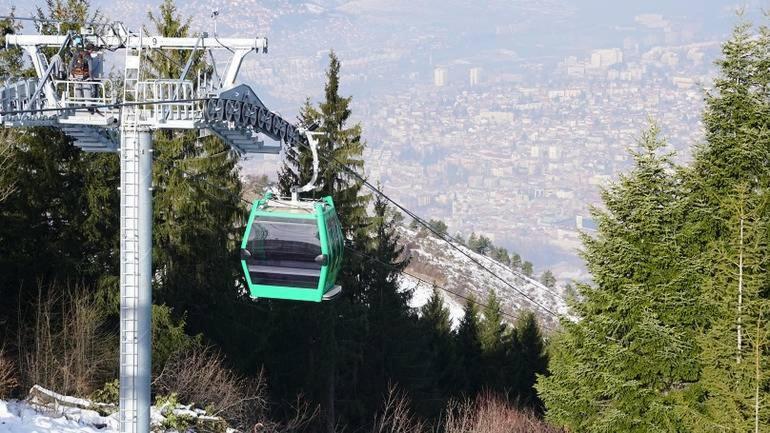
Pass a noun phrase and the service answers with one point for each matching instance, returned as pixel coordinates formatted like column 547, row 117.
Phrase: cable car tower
column 101, row 117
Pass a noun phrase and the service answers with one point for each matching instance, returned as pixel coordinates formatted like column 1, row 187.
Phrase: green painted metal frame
column 329, row 271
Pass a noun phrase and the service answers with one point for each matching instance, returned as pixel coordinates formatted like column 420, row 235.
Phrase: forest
column 668, row 336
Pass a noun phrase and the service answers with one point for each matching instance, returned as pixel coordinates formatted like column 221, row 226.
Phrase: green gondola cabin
column 292, row 249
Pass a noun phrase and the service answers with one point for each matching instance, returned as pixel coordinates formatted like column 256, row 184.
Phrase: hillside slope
column 434, row 260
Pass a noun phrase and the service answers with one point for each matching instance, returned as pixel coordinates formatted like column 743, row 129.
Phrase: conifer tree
column 735, row 345
column 469, row 353
column 728, row 185
column 629, row 363
column 439, row 226
column 435, row 314
column 516, row 262
column 437, row 326
column 167, row 64
column 492, row 336
column 548, row 279
column 501, row 255
column 527, row 269
column 391, row 349
column 492, row 327
column 339, row 146
column 340, row 150
column 526, row 359
column 61, row 223
column 197, row 211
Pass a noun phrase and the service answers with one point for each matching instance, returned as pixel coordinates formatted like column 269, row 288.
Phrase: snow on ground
column 59, row 416
column 421, row 292
column 22, row 417
column 457, row 272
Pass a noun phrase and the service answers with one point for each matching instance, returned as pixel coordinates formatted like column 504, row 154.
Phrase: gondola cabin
column 292, row 249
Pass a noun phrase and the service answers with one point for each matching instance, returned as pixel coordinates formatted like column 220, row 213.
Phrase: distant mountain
column 433, row 260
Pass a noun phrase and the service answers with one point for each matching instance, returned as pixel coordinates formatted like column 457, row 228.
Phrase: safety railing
column 84, row 93
column 173, row 100
column 15, row 99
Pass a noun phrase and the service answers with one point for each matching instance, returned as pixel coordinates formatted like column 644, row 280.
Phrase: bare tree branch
column 7, row 182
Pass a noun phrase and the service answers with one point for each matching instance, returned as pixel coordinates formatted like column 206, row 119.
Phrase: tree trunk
column 757, row 377
column 740, row 291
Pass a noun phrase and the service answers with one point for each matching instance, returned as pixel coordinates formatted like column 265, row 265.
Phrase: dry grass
column 66, row 347
column 396, row 416
column 304, row 415
column 427, row 271
column 7, row 183
column 200, row 376
column 8, row 376
column 490, row 414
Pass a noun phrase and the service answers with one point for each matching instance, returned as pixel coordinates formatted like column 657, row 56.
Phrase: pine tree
column 437, row 327
column 526, row 359
column 735, row 345
column 501, row 255
column 197, row 210
column 169, row 64
column 340, row 149
column 492, row 336
column 492, row 327
column 527, row 269
column 339, row 146
column 439, row 226
column 435, row 314
column 728, row 185
column 468, row 375
column 59, row 226
column 61, row 222
column 630, row 363
column 548, row 279
column 516, row 262
column 390, row 350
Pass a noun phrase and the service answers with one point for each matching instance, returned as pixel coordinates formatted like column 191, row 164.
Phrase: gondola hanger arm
column 313, row 144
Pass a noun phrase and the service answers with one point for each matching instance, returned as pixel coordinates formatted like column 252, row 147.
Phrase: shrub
column 490, row 414
column 168, row 336
column 68, row 346
column 173, row 421
column 8, row 376
column 396, row 416
column 109, row 393
column 199, row 376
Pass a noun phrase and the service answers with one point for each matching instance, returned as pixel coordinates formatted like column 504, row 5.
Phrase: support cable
column 171, row 164
column 445, row 237
column 441, row 236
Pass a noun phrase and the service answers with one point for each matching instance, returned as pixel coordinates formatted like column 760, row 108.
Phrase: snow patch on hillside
column 436, row 261
column 421, row 293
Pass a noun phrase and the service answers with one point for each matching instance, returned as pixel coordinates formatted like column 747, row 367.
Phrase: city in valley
column 512, row 144
column 504, row 120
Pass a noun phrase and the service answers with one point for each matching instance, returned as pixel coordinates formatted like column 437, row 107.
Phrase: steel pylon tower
column 93, row 115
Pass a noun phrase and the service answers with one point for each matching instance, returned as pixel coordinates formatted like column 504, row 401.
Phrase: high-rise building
column 474, row 76
column 439, row 76
column 606, row 57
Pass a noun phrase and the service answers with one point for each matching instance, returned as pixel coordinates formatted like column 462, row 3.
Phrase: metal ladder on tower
column 129, row 239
